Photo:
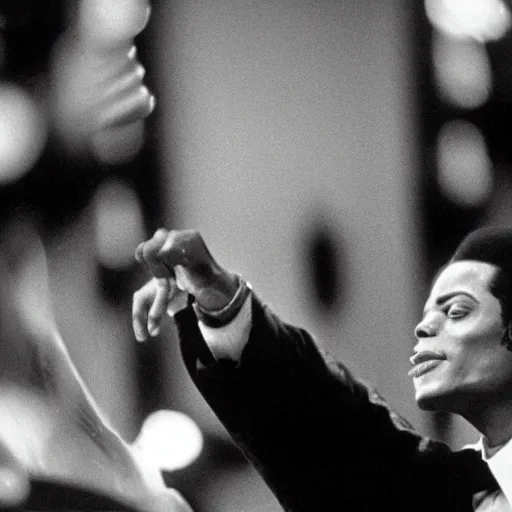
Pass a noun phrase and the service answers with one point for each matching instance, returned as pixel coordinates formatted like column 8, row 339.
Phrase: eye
column 455, row 311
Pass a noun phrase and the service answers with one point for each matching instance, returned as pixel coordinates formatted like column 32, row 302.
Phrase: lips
column 426, row 355
column 425, row 361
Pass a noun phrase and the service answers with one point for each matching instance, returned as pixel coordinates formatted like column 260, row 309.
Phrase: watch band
column 221, row 317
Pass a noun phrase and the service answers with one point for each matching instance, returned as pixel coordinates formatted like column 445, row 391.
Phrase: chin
column 428, row 403
column 433, row 399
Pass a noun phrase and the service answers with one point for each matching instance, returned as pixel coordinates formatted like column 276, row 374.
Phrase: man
column 321, row 439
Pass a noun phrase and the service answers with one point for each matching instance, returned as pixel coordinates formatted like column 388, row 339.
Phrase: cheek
column 476, row 361
column 478, row 337
column 474, row 353
column 478, row 355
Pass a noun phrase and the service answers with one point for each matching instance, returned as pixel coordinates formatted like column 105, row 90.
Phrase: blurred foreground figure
column 99, row 97
column 71, row 81
column 80, row 91
column 321, row 439
column 51, row 429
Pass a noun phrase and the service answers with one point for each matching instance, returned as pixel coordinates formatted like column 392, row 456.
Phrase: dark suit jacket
column 321, row 439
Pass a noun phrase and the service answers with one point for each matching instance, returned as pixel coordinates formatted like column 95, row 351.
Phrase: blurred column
column 288, row 139
column 464, row 70
column 92, row 199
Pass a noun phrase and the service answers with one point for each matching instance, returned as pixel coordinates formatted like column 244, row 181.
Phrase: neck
column 493, row 422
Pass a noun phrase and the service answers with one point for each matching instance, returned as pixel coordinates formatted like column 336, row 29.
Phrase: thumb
column 184, row 280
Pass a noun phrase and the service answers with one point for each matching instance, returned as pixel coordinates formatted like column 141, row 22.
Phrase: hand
column 150, row 304
column 99, row 96
column 178, row 260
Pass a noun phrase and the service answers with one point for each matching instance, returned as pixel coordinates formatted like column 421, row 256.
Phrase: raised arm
column 320, row 438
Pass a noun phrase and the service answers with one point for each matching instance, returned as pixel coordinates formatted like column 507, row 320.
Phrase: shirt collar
column 499, row 460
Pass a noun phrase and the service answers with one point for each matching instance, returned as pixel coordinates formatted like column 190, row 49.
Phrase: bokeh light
column 462, row 70
column 22, row 132
column 113, row 21
column 483, row 20
column 118, row 223
column 464, row 167
column 170, row 440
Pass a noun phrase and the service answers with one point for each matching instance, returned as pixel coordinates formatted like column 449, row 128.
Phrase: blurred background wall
column 288, row 130
column 334, row 152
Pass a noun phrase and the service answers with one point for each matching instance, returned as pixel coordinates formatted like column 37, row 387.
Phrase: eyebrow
column 447, row 296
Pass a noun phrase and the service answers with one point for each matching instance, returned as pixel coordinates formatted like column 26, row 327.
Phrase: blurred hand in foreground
column 99, row 96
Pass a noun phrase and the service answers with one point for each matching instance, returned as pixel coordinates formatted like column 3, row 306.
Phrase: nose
column 425, row 329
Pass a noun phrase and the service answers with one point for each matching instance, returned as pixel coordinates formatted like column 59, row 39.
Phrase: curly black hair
column 493, row 245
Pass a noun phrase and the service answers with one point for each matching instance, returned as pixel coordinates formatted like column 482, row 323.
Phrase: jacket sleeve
column 319, row 437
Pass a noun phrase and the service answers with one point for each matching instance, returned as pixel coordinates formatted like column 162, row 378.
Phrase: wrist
column 222, row 316
column 220, row 290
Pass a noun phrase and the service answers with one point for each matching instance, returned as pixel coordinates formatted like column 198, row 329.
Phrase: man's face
column 459, row 361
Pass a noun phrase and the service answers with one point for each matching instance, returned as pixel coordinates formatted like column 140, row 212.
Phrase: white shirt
column 500, row 464
column 228, row 342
